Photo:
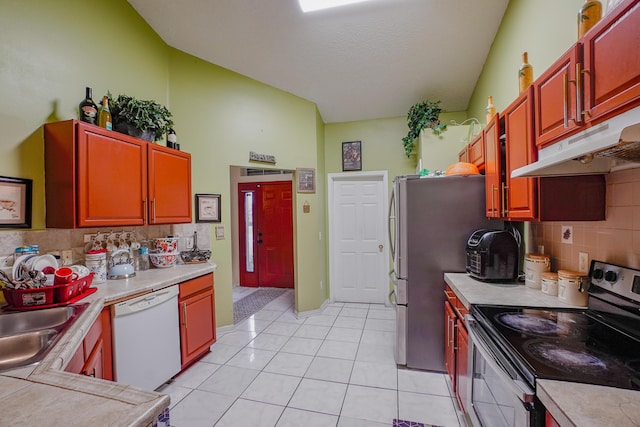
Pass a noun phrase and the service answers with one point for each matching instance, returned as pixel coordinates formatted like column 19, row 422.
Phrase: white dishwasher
column 146, row 339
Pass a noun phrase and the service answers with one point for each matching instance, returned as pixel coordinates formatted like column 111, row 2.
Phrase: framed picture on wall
column 15, row 202
column 208, row 208
column 306, row 180
column 352, row 156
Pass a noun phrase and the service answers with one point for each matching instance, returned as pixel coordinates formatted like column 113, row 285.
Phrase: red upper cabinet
column 596, row 79
column 520, row 151
column 556, row 99
column 611, row 63
column 493, row 167
column 476, row 151
column 169, row 185
column 100, row 178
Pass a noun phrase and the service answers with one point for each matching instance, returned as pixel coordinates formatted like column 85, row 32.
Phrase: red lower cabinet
column 462, row 364
column 93, row 357
column 197, row 318
column 449, row 344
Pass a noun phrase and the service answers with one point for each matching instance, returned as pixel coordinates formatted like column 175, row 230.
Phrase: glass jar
column 588, row 15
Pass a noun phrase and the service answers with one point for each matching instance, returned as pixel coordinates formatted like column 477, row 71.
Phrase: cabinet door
column 112, row 178
column 463, row 155
column 612, row 63
column 76, row 363
column 169, row 185
column 493, row 168
column 521, row 196
column 476, row 151
column 197, row 326
column 449, row 348
column 462, row 364
column 555, row 100
column 94, row 365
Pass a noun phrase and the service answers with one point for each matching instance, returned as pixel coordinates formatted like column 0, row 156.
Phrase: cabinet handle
column 493, row 205
column 144, row 211
column 154, row 210
column 184, row 314
column 565, row 100
column 579, row 111
column 504, row 199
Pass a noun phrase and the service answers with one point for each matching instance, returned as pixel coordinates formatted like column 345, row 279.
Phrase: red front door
column 266, row 234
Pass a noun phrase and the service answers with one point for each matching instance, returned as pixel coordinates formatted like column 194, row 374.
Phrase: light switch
column 219, row 232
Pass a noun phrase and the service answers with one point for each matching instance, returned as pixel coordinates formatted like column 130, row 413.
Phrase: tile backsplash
column 615, row 240
column 55, row 239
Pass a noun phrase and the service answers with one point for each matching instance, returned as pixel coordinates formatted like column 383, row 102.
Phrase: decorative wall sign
column 352, row 156
column 208, row 208
column 262, row 158
column 15, row 202
column 306, row 180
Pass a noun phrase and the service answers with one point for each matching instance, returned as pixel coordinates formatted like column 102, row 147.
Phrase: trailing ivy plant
column 423, row 115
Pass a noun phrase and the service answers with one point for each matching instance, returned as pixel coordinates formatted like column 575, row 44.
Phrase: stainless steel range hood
column 595, row 150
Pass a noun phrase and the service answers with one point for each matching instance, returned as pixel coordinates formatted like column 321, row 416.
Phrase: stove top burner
column 570, row 358
column 542, row 323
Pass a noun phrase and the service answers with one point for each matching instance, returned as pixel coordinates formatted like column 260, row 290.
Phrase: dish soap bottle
column 588, row 15
column 525, row 73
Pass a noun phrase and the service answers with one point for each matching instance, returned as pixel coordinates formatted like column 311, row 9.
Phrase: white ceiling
column 364, row 61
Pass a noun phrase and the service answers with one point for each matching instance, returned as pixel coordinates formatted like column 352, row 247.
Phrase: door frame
column 355, row 176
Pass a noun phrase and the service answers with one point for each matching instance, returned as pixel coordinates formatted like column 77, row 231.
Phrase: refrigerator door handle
column 391, row 223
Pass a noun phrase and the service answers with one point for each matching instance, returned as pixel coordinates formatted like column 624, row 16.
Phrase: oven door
column 499, row 394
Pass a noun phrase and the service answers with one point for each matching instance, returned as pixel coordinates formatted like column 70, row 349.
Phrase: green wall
column 51, row 49
column 543, row 28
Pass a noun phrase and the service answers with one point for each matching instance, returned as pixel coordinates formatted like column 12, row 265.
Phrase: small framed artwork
column 15, row 202
column 306, row 180
column 208, row 208
column 352, row 156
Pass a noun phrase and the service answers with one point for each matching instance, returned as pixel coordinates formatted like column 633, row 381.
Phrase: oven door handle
column 519, row 388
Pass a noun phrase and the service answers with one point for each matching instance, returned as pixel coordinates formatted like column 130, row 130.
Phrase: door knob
column 380, row 247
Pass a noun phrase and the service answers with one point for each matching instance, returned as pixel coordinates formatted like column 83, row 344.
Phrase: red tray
column 58, row 304
column 49, row 296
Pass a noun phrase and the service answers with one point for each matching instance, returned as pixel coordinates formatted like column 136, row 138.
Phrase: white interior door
column 359, row 260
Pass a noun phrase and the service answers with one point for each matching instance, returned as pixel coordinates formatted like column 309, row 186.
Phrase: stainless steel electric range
column 512, row 347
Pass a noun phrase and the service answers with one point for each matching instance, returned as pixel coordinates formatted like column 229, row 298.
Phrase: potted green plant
column 143, row 119
column 423, row 115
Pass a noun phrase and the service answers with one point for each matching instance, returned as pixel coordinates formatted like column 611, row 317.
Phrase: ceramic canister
column 572, row 287
column 549, row 283
column 534, row 264
column 98, row 264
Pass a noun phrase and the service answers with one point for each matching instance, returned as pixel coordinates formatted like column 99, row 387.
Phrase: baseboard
column 307, row 313
column 225, row 329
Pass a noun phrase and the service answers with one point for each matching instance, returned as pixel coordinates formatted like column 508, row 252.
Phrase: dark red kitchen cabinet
column 463, row 155
column 476, row 151
column 93, row 357
column 520, row 193
column 494, row 167
column 169, row 185
column 556, row 113
column 197, row 318
column 449, row 346
column 462, row 363
column 100, row 178
column 611, row 63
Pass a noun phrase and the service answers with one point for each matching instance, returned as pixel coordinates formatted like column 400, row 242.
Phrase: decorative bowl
column 165, row 245
column 462, row 168
column 162, row 260
column 195, row 256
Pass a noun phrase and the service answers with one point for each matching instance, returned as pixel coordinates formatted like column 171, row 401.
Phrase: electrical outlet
column 67, row 257
column 583, row 262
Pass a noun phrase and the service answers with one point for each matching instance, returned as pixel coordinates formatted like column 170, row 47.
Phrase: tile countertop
column 571, row 404
column 54, row 397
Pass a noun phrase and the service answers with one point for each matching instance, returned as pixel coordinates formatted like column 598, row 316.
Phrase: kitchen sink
column 25, row 349
column 26, row 337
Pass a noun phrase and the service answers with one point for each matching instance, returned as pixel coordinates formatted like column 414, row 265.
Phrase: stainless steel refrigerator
column 430, row 220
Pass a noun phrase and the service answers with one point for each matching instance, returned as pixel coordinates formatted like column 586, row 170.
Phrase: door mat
column 253, row 302
column 403, row 423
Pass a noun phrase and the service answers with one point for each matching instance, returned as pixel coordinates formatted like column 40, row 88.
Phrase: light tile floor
column 332, row 369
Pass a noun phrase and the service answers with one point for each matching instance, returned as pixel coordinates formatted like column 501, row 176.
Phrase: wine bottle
column 525, row 73
column 588, row 15
column 88, row 109
column 172, row 138
column 491, row 109
column 104, row 117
